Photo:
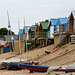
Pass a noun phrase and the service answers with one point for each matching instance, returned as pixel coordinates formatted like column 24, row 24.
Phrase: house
column 8, row 37
column 72, row 22
column 25, row 32
column 52, row 25
column 44, row 25
column 32, row 33
column 37, row 31
column 60, row 32
column 21, row 32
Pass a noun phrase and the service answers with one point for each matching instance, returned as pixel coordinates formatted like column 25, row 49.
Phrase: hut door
column 67, row 39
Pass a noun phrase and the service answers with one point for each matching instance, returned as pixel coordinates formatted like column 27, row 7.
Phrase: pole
column 19, row 36
column 9, row 24
column 26, row 41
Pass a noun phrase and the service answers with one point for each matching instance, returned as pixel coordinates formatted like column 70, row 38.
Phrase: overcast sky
column 33, row 11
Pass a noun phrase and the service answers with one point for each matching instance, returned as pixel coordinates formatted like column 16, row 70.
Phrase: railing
column 64, row 28
column 39, row 35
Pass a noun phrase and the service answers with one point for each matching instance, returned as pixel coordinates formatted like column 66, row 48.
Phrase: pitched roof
column 44, row 25
column 26, row 29
column 53, row 21
column 73, row 12
column 32, row 28
column 21, row 31
column 8, row 37
column 62, row 21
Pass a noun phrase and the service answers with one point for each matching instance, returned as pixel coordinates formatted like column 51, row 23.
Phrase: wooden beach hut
column 32, row 32
column 45, row 28
column 37, row 31
column 52, row 24
column 60, row 36
column 25, row 32
column 72, row 22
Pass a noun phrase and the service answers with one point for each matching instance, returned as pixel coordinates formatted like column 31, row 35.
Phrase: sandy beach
column 64, row 56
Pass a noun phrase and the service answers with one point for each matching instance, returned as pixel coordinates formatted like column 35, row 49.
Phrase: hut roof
column 21, row 31
column 73, row 12
column 26, row 28
column 8, row 37
column 53, row 21
column 32, row 28
column 62, row 21
column 44, row 25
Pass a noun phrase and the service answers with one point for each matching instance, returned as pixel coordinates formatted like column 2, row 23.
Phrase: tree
column 4, row 31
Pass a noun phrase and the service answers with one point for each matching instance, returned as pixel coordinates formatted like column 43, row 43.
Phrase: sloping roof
column 7, row 37
column 21, row 31
column 53, row 21
column 26, row 29
column 62, row 21
column 15, row 37
column 73, row 12
column 44, row 25
column 32, row 28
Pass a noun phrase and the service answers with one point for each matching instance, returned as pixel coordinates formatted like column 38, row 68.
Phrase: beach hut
column 60, row 37
column 21, row 32
column 52, row 24
column 40, row 31
column 72, row 22
column 32, row 32
column 45, row 28
column 25, row 32
column 37, row 31
column 60, row 25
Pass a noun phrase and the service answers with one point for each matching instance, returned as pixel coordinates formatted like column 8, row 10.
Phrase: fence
column 64, row 28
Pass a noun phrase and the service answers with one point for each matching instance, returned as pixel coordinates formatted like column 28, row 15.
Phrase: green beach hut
column 45, row 28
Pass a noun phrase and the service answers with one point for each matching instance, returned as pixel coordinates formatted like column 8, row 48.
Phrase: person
column 33, row 63
column 31, row 71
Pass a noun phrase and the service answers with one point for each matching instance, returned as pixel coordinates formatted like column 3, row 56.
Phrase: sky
column 33, row 11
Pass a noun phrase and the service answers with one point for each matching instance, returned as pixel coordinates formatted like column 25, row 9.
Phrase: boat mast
column 9, row 26
column 19, row 35
column 26, row 41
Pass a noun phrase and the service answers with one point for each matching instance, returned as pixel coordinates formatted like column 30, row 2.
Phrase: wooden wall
column 56, row 40
column 40, row 31
column 16, row 47
column 37, row 31
column 71, row 23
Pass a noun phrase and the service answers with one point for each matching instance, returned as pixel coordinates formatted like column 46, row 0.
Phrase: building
column 32, row 33
column 72, row 22
column 60, row 32
column 44, row 27
column 25, row 32
column 52, row 26
column 9, row 37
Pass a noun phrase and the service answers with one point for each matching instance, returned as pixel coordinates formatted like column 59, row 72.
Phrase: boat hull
column 33, row 68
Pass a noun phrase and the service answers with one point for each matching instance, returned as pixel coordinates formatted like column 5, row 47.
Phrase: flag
column 9, row 24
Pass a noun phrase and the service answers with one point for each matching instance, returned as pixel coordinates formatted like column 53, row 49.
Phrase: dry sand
column 64, row 56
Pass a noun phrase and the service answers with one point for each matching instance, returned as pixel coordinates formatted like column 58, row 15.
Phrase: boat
column 33, row 67
column 12, row 63
column 64, row 68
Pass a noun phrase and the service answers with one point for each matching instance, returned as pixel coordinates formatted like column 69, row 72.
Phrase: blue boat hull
column 33, row 67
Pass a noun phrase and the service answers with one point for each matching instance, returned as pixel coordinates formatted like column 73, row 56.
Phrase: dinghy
column 69, row 68
column 33, row 67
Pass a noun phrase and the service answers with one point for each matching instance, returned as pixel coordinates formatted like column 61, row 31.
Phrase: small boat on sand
column 33, row 67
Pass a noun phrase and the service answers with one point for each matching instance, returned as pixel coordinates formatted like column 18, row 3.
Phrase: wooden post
column 46, row 42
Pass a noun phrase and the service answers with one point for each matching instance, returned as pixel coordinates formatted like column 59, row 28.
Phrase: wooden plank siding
column 71, row 23
column 56, row 40
column 40, row 31
column 37, row 31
